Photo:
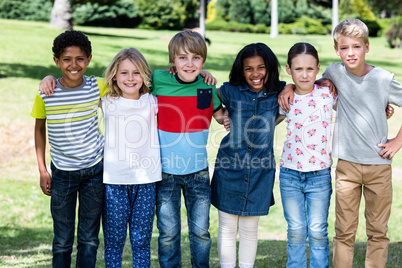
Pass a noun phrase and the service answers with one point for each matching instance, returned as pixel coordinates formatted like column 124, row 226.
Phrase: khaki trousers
column 376, row 183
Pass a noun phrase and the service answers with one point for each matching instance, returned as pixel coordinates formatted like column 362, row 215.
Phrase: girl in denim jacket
column 245, row 166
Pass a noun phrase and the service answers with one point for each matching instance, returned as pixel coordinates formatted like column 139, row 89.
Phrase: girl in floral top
column 305, row 172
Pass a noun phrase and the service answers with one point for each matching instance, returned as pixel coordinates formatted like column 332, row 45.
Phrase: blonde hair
column 351, row 28
column 138, row 60
column 189, row 41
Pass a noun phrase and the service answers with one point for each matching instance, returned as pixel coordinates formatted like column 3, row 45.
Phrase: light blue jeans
column 197, row 197
column 305, row 198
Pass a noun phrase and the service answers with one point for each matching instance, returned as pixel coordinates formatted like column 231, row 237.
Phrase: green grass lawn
column 26, row 57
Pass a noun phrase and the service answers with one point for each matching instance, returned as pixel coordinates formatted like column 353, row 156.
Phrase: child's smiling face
column 129, row 79
column 188, row 65
column 255, row 72
column 73, row 63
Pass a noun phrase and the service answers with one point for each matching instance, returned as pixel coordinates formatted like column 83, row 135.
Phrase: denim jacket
column 244, row 172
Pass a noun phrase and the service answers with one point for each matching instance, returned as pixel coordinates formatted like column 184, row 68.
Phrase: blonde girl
column 131, row 158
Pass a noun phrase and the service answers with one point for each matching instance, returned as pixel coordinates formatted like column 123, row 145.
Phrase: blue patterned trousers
column 132, row 205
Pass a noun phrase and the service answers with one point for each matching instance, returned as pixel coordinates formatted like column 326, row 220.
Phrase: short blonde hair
column 138, row 60
column 351, row 28
column 189, row 41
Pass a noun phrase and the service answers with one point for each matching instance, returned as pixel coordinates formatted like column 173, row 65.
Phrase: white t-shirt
column 132, row 151
column 309, row 122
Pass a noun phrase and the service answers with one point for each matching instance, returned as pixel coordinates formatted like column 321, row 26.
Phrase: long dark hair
column 236, row 76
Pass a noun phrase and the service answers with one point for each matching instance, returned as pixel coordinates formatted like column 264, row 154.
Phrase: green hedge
column 34, row 10
column 302, row 25
column 124, row 14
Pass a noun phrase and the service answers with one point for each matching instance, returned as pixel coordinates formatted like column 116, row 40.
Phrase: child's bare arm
column 389, row 111
column 220, row 115
column 286, row 96
column 208, row 78
column 322, row 82
column 40, row 146
column 392, row 146
column 47, row 85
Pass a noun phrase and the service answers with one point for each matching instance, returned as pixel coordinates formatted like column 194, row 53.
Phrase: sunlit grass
column 25, row 57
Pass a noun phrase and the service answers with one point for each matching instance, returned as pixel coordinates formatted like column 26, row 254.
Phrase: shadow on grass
column 31, row 247
column 39, row 72
column 25, row 247
column 89, row 34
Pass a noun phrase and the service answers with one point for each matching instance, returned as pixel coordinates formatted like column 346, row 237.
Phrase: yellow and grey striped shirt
column 72, row 124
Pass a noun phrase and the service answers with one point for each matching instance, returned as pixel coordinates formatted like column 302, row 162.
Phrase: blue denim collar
column 262, row 93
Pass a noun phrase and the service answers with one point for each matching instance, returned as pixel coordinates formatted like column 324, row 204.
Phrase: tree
column 391, row 7
column 240, row 11
column 61, row 16
column 356, row 8
column 274, row 18
column 285, row 11
column 260, row 12
column 301, row 8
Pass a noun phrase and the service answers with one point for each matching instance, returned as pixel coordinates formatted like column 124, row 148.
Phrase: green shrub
column 217, row 24
column 233, row 26
column 284, row 28
column 385, row 25
column 394, row 33
column 373, row 26
column 124, row 14
column 33, row 10
column 240, row 11
column 165, row 14
column 303, row 25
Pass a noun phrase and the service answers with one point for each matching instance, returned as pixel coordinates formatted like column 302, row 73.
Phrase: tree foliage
column 35, row 10
column 356, row 8
column 394, row 34
column 391, row 7
column 165, row 14
column 240, row 11
column 123, row 14
column 301, row 8
column 259, row 11
column 286, row 11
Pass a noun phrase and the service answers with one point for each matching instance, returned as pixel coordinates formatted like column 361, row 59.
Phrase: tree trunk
column 335, row 15
column 61, row 17
column 274, row 19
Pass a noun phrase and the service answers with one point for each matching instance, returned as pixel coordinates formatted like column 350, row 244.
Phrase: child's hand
column 46, row 183
column 172, row 70
column 327, row 83
column 389, row 111
column 286, row 97
column 208, row 78
column 47, row 85
column 391, row 147
column 226, row 120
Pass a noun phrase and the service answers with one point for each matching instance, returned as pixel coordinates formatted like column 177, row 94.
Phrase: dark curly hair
column 71, row 38
column 236, row 76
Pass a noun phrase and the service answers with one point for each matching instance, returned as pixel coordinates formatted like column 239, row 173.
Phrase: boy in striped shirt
column 76, row 148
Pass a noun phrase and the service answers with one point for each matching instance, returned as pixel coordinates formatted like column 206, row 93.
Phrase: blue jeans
column 88, row 183
column 197, row 198
column 133, row 205
column 305, row 198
